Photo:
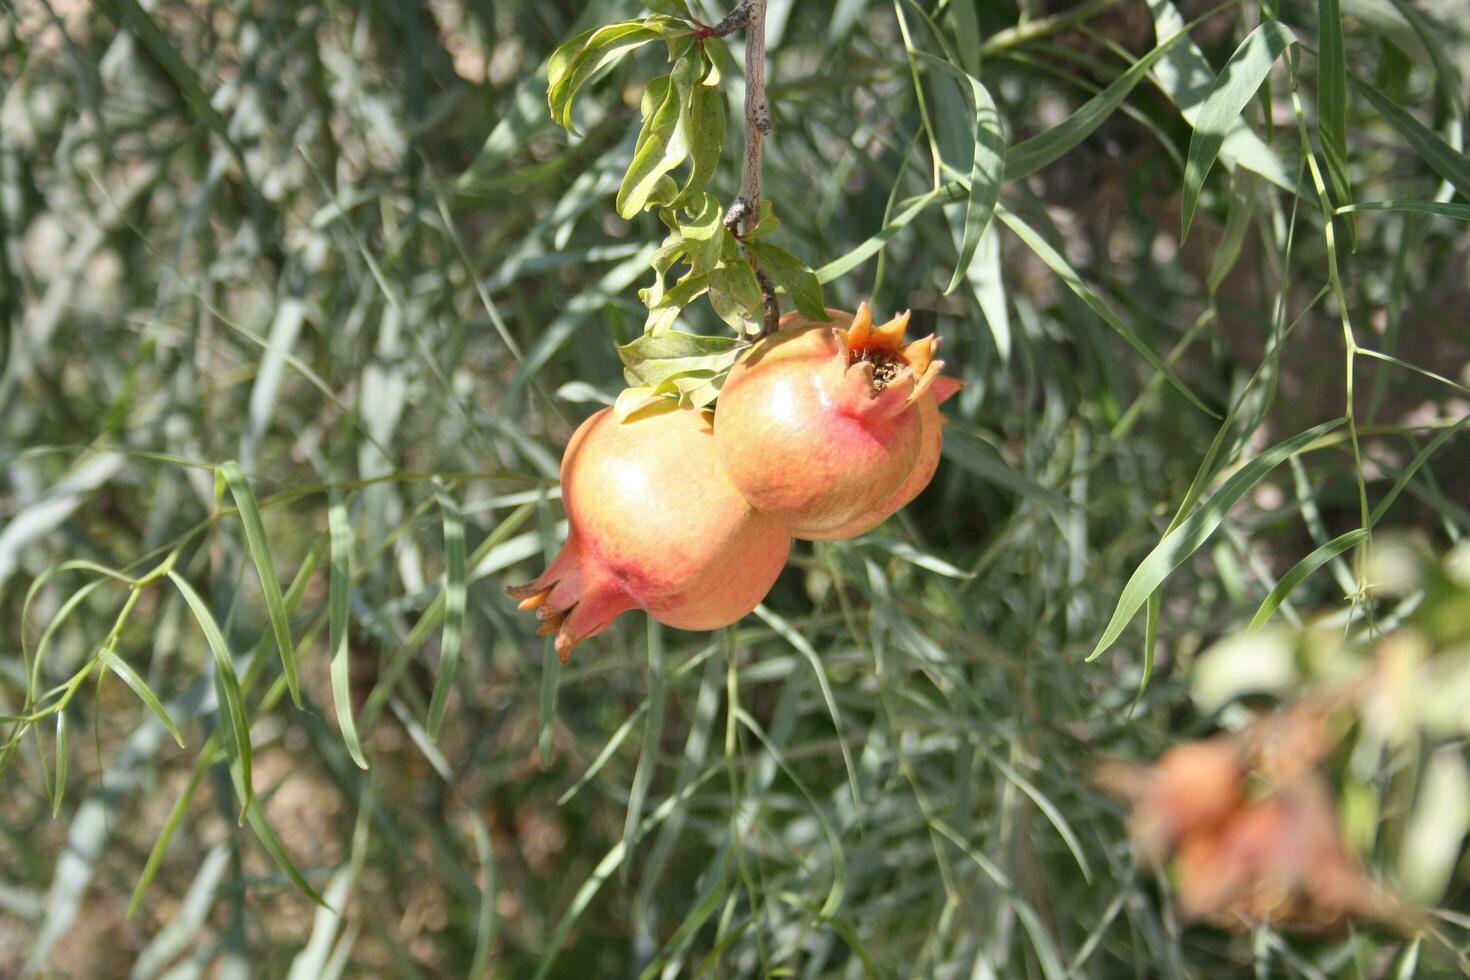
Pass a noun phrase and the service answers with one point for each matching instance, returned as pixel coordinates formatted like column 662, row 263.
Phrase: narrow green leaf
column 485, row 925
column 1030, row 155
column 140, row 687
column 986, row 171
column 1237, row 223
column 1233, row 88
column 1052, row 813
column 550, row 662
column 1064, row 271
column 1448, row 162
column 1185, row 77
column 255, row 816
column 166, row 835
column 1458, row 211
column 63, row 763
column 605, row 754
column 653, row 734
column 1299, row 573
column 338, row 625
column 1332, row 103
column 141, row 25
column 1195, row 530
column 265, row 567
column 840, row 267
column 804, row 647
column 1152, row 610
column 1407, row 474
column 455, row 590
column 228, row 684
column 792, row 275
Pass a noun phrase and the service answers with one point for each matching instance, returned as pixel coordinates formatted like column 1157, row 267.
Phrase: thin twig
column 745, row 212
column 734, row 20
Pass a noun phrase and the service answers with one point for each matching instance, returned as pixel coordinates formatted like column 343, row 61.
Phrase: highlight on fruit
column 831, row 427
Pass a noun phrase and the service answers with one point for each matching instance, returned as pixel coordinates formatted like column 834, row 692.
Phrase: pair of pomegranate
column 822, row 431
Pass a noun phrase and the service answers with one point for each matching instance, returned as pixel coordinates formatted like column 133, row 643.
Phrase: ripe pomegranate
column 831, row 427
column 655, row 525
column 1194, row 786
column 1278, row 860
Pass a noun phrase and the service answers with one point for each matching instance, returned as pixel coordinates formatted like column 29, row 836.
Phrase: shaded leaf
column 792, row 275
column 1234, row 87
column 1195, row 530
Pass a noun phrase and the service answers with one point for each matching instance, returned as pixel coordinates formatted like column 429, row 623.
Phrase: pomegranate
column 931, row 445
column 655, row 525
column 831, row 427
column 1278, row 860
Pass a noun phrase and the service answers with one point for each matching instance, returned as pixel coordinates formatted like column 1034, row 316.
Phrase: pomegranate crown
column 881, row 352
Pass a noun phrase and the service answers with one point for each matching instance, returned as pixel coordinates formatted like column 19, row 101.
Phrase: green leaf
column 160, row 847
column 839, row 267
column 255, row 816
column 454, row 605
column 1184, row 540
column 1237, row 223
column 664, row 141
column 653, row 733
column 1448, row 162
column 1299, row 573
column 227, row 682
column 1407, row 473
column 662, row 315
column 650, row 360
column 575, row 62
column 665, row 258
column 266, row 569
column 1233, row 88
column 140, row 687
column 1435, row 831
column 704, row 234
column 1185, row 77
column 735, row 294
column 986, row 171
column 1068, row 275
column 705, row 122
column 765, row 222
column 792, row 275
column 63, row 764
column 1028, row 156
column 1459, row 211
column 671, row 8
column 337, row 630
column 1332, row 103
column 141, row 24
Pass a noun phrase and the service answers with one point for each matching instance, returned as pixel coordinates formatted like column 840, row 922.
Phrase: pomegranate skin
column 822, row 424
column 655, row 525
column 931, row 446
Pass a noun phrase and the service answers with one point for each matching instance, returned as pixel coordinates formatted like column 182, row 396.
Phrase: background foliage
column 345, row 245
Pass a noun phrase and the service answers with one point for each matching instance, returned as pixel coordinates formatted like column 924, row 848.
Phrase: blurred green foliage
column 345, row 245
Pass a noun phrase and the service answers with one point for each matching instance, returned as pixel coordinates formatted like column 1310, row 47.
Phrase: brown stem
column 734, row 20
column 745, row 212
